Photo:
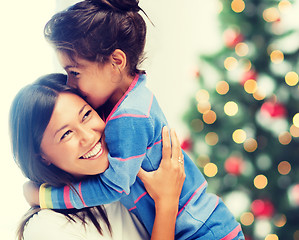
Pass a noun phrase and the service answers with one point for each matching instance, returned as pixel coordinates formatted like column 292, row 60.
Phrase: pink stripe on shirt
column 155, row 144
column 129, row 158
column 200, row 187
column 122, row 98
column 80, row 195
column 233, row 233
column 66, row 197
column 142, row 195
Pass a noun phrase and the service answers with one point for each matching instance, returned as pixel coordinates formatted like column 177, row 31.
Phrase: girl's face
column 97, row 82
column 74, row 138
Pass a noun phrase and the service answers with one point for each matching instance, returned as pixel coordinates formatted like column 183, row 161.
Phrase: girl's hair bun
column 118, row 5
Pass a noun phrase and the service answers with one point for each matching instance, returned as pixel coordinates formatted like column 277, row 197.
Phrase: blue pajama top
column 134, row 139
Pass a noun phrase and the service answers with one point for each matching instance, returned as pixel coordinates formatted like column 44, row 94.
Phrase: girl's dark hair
column 93, row 29
column 30, row 114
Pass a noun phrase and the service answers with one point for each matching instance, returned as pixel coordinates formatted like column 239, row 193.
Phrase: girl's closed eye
column 74, row 73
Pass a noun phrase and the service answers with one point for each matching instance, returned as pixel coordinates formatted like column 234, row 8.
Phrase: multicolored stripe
column 45, row 199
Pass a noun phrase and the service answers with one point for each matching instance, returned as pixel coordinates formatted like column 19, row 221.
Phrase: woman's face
column 74, row 138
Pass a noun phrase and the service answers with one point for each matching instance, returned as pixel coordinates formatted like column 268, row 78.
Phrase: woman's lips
column 95, row 152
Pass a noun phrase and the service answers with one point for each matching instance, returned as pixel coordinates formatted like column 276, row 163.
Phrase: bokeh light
column 284, row 167
column 203, row 106
column 294, row 131
column 239, row 136
column 296, row 120
column 250, row 86
column 202, row 95
column 247, row 218
column 280, row 220
column 276, row 56
column 209, row 117
column 250, row 145
column 246, row 64
column 285, row 138
column 231, row 108
column 203, row 160
column 238, row 5
column 296, row 235
column 271, row 237
column 210, row 169
column 197, row 125
column 260, row 181
column 271, row 14
column 211, row 138
column 291, row 78
column 222, row 87
column 242, row 49
column 259, row 95
column 230, row 63
column 284, row 5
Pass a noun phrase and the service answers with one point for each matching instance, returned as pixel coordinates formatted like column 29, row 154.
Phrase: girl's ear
column 119, row 59
column 45, row 161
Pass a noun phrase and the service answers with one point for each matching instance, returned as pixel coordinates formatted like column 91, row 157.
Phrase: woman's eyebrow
column 81, row 110
column 64, row 126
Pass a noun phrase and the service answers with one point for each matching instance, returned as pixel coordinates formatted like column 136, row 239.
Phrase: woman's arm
column 164, row 185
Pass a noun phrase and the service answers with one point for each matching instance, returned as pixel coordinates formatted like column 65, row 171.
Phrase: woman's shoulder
column 125, row 225
column 48, row 224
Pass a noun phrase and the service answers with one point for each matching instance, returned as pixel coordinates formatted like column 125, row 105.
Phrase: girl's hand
column 165, row 184
column 31, row 193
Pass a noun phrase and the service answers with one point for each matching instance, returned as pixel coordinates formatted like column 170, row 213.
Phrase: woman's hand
column 164, row 185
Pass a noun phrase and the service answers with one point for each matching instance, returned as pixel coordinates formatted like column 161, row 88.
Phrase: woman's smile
column 75, row 134
column 94, row 153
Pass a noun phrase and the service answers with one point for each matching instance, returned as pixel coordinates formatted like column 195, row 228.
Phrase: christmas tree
column 244, row 118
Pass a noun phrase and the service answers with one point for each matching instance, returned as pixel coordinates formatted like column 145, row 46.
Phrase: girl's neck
column 125, row 83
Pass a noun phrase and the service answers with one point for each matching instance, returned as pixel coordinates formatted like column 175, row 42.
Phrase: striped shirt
column 133, row 136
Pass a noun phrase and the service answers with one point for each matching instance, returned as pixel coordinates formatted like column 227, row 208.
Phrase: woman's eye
column 86, row 115
column 65, row 134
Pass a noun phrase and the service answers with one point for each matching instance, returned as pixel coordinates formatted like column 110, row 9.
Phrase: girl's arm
column 164, row 185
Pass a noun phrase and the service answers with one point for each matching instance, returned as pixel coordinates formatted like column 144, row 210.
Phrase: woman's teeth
column 96, row 149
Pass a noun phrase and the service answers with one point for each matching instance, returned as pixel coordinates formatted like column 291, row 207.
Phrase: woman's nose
column 86, row 135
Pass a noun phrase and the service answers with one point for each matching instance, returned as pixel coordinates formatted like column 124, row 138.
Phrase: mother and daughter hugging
column 95, row 143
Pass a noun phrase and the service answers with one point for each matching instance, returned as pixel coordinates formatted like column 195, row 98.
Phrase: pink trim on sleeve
column 122, row 98
column 200, row 187
column 80, row 195
column 141, row 196
column 233, row 233
column 129, row 158
column 132, row 208
column 66, row 197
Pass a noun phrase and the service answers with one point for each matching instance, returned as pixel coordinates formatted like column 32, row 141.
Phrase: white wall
column 24, row 55
column 182, row 30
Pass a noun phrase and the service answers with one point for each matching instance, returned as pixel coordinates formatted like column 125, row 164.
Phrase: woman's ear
column 119, row 59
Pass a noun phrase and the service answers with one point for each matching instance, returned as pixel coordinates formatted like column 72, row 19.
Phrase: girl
column 100, row 44
column 53, row 131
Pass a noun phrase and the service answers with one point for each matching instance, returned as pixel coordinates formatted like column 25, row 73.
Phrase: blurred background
column 226, row 75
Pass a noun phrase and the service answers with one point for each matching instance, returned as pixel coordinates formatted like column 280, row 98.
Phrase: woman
column 58, row 138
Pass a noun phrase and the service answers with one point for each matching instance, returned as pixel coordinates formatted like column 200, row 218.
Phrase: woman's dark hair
column 93, row 29
column 30, row 113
